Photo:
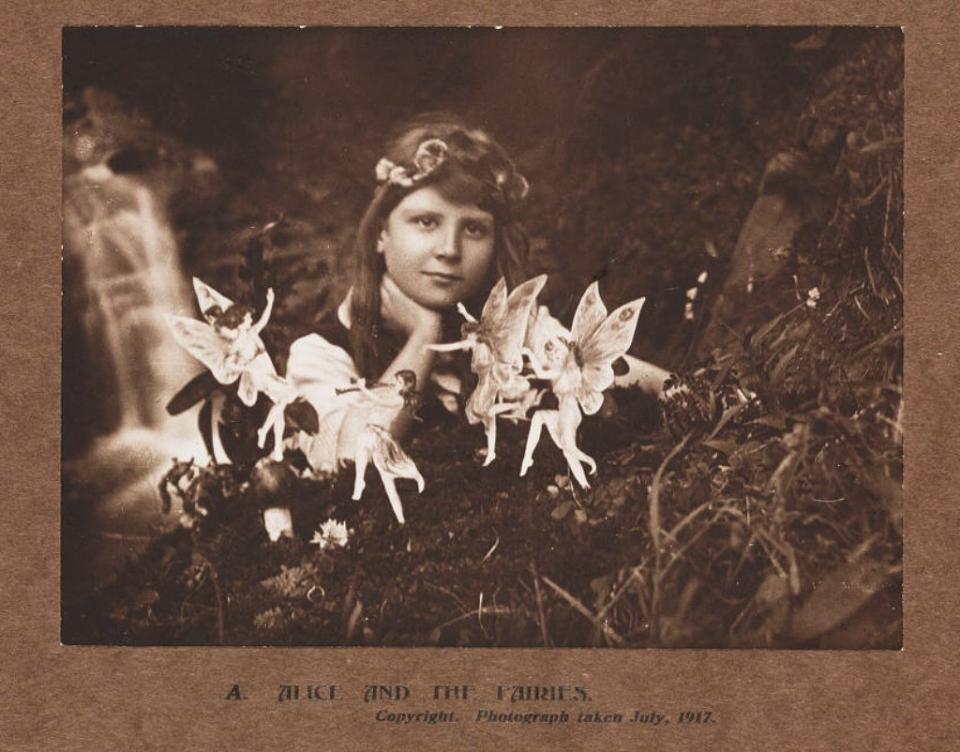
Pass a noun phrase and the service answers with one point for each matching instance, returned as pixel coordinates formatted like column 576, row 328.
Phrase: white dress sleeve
column 317, row 368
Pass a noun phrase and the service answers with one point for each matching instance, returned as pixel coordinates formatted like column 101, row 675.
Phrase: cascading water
column 131, row 277
column 124, row 275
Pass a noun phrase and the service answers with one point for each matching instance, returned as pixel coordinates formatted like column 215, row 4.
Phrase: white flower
column 383, row 169
column 278, row 523
column 330, row 534
column 429, row 156
column 399, row 176
column 813, row 297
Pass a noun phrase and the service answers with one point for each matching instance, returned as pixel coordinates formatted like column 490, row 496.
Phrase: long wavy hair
column 476, row 171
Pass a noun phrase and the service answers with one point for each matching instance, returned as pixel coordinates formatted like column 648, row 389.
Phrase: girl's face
column 438, row 252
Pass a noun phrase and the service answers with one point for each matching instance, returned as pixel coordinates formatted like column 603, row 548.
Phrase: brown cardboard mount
column 75, row 698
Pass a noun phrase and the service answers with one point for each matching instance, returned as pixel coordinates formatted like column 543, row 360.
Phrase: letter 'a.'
column 234, row 693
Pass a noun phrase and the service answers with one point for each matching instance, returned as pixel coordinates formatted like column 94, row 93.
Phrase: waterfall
column 125, row 276
column 131, row 276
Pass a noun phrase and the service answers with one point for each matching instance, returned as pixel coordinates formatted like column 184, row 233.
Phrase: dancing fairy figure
column 496, row 344
column 228, row 341
column 578, row 363
column 375, row 443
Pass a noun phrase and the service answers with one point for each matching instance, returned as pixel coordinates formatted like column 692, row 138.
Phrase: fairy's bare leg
column 361, row 460
column 278, row 426
column 573, row 417
column 533, row 438
column 390, row 486
column 490, row 426
column 586, row 458
column 563, row 430
column 265, row 428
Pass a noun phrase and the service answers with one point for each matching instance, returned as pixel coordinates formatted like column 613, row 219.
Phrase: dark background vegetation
column 772, row 158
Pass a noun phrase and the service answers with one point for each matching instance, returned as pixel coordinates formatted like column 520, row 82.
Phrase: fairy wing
column 591, row 312
column 496, row 302
column 207, row 298
column 202, row 342
column 600, row 348
column 261, row 376
column 389, row 457
column 508, row 329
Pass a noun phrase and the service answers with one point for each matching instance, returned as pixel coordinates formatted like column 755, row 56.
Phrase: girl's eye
column 548, row 347
column 476, row 229
column 426, row 221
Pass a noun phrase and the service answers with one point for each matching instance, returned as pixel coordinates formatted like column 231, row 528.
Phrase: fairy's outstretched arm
column 267, row 310
column 464, row 344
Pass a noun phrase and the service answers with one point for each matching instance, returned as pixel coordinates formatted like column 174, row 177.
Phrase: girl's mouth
column 443, row 279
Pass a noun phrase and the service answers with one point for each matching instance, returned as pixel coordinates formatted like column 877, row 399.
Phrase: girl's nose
column 448, row 246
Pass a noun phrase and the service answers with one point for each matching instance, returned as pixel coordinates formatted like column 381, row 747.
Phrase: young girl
column 440, row 230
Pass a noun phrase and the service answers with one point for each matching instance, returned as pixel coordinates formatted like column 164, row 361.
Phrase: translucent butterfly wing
column 389, row 457
column 609, row 341
column 207, row 298
column 392, row 462
column 506, row 334
column 591, row 312
column 496, row 302
column 202, row 342
column 259, row 376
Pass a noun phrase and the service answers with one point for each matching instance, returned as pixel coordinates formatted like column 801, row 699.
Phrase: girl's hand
column 402, row 314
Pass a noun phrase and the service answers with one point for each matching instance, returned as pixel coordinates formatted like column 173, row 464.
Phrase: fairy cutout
column 579, row 365
column 350, row 413
column 496, row 346
column 228, row 341
column 376, row 443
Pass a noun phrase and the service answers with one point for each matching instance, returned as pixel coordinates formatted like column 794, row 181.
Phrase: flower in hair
column 388, row 172
column 511, row 185
column 507, row 184
column 429, row 156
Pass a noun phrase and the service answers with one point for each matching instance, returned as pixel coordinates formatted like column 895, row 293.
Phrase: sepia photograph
column 483, row 337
